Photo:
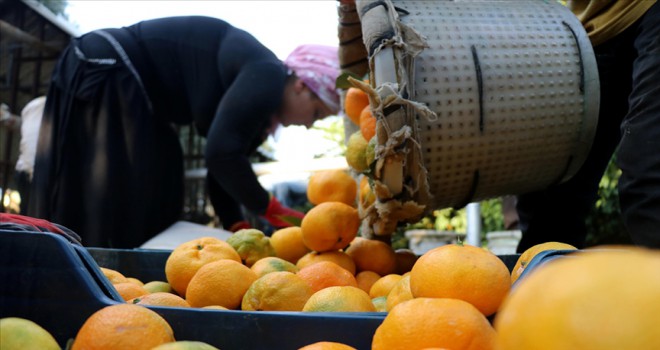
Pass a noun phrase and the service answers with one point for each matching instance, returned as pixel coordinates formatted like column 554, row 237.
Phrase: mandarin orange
column 327, row 345
column 222, row 282
column 531, row 252
column 384, row 285
column 434, row 322
column 601, row 299
column 405, row 260
column 354, row 103
column 356, row 152
column 372, row 255
column 17, row 333
column 366, row 279
column 463, row 272
column 160, row 299
column 338, row 257
column 123, row 326
column 324, row 274
column 339, row 299
column 399, row 293
column 188, row 257
column 158, row 286
column 288, row 244
column 277, row 291
column 330, row 226
column 113, row 276
column 251, row 245
column 272, row 264
column 128, row 290
column 367, row 124
column 333, row 185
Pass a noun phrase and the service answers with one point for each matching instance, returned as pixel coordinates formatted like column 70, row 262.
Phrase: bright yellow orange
column 399, row 293
column 340, row 299
column 405, row 260
column 272, row 264
column 334, row 185
column 277, row 291
column 123, row 326
column 327, row 345
column 370, row 152
column 160, row 299
column 251, row 245
column 222, row 282
column 372, row 255
column 330, row 226
column 531, row 252
column 595, row 299
column 384, row 285
column 158, row 286
column 336, row 256
column 18, row 333
column 356, row 152
column 366, row 279
column 113, row 275
column 367, row 124
column 288, row 244
column 354, row 103
column 463, row 272
column 128, row 290
column 326, row 274
column 188, row 257
column 434, row 322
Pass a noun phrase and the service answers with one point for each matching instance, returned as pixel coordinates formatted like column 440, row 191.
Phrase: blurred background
column 33, row 33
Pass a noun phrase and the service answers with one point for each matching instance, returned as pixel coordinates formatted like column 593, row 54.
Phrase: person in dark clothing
column 626, row 40
column 109, row 164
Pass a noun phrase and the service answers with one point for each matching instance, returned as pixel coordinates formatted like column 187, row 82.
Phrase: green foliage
column 333, row 130
column 492, row 218
column 448, row 219
column 604, row 223
column 342, row 80
column 399, row 240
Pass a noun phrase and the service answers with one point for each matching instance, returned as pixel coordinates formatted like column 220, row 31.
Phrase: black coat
column 109, row 164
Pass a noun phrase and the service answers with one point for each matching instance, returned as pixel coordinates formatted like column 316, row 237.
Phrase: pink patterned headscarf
column 318, row 67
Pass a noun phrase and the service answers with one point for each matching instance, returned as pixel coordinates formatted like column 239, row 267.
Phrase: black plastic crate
column 59, row 285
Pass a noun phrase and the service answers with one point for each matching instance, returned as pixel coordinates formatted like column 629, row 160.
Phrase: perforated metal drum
column 475, row 99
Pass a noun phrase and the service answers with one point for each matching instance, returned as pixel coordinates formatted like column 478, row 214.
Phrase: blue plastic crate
column 59, row 285
column 541, row 259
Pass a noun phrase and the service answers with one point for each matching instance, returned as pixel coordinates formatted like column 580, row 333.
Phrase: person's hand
column 280, row 216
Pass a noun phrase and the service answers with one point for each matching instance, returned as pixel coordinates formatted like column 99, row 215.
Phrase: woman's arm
column 239, row 127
